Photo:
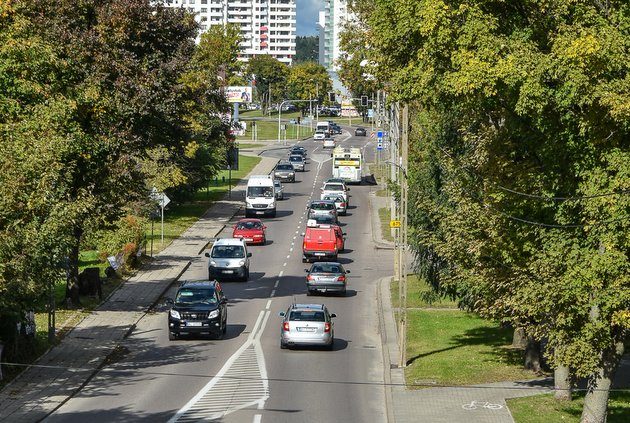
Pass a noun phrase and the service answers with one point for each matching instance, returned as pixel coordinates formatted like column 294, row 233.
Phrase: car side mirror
column 345, row 233
column 169, row 301
column 347, row 271
column 332, row 315
column 303, row 234
column 264, row 227
column 224, row 300
column 249, row 254
column 281, row 314
column 207, row 254
column 306, row 270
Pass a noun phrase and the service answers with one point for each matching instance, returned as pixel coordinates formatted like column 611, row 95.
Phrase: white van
column 260, row 196
column 325, row 127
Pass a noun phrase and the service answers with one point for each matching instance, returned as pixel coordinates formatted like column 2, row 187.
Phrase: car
column 307, row 324
column 319, row 135
column 323, row 219
column 228, row 259
column 284, row 171
column 336, row 181
column 360, row 132
column 335, row 128
column 339, row 201
column 298, row 149
column 252, row 231
column 297, row 160
column 199, row 308
column 335, row 188
column 278, row 189
column 324, row 222
column 326, row 277
column 329, row 143
column 319, row 207
column 260, row 196
column 319, row 243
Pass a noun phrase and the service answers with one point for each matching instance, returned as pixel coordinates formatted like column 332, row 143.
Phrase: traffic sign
column 372, row 134
column 379, row 145
column 380, row 134
column 160, row 197
column 394, row 224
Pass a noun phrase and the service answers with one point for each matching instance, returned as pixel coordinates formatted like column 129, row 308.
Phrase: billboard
column 348, row 109
column 238, row 94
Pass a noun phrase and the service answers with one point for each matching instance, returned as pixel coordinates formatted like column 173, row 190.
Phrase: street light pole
column 403, row 247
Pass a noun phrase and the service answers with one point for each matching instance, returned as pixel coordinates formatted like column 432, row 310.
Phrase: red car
column 252, row 231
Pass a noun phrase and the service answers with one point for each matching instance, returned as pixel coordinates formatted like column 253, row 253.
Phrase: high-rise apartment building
column 332, row 19
column 267, row 26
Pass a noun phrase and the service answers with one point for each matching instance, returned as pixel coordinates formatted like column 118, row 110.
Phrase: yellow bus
column 347, row 164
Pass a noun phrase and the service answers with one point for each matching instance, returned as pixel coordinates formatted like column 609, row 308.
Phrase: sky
column 307, row 16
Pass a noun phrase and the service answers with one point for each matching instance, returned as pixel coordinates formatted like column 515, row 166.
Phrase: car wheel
column 309, row 292
column 331, row 346
column 246, row 277
column 172, row 336
column 283, row 346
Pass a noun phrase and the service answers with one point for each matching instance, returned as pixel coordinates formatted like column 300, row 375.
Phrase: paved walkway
column 44, row 387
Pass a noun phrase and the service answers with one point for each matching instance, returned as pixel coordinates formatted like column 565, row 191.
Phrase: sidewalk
column 67, row 367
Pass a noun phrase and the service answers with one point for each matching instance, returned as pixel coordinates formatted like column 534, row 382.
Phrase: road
column 245, row 377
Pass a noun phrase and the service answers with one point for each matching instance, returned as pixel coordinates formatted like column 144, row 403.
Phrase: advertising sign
column 348, row 109
column 238, row 94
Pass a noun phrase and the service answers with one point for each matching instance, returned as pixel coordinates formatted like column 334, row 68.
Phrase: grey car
column 340, row 203
column 326, row 277
column 284, row 171
column 307, row 324
column 322, row 207
column 278, row 189
column 297, row 160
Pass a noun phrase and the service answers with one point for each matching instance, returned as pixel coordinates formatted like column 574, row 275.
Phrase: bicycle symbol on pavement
column 480, row 404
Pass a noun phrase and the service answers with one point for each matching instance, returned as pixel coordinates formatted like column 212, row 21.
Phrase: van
column 228, row 259
column 324, row 127
column 319, row 243
column 260, row 196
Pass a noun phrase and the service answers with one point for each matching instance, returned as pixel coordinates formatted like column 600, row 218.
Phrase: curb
column 387, row 373
column 379, row 244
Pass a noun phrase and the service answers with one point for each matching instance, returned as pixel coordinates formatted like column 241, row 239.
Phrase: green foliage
column 126, row 235
column 308, row 81
column 268, row 72
column 306, row 49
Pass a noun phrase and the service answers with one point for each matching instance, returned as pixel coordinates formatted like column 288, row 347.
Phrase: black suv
column 199, row 308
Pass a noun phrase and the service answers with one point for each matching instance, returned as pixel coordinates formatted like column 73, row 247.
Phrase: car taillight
column 285, row 326
column 326, row 327
column 342, row 205
column 341, row 278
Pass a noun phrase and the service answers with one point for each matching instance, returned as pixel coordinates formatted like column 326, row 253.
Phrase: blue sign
column 379, row 134
column 370, row 113
column 379, row 145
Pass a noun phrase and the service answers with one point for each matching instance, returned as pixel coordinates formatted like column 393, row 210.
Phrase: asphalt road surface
column 246, row 377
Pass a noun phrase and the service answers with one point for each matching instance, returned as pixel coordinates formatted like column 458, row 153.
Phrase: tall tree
column 306, row 49
column 308, row 81
column 270, row 77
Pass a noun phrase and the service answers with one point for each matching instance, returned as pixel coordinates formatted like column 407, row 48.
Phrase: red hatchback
column 252, row 231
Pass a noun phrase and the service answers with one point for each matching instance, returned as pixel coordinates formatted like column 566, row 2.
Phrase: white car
column 335, row 189
column 329, row 143
column 319, row 135
column 277, row 187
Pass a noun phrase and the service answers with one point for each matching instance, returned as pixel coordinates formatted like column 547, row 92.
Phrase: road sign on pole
column 394, row 224
column 162, row 199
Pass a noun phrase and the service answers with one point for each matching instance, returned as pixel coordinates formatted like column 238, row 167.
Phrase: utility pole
column 404, row 152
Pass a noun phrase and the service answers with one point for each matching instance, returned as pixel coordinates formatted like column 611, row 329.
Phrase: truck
column 260, row 196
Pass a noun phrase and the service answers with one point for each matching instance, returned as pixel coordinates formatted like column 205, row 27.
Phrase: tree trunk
column 72, row 282
column 519, row 339
column 532, row 355
column 562, row 383
column 596, row 399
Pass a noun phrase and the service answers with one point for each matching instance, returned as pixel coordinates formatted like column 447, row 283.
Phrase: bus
column 347, row 164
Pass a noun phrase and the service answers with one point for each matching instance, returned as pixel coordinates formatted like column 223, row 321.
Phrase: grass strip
column 420, row 295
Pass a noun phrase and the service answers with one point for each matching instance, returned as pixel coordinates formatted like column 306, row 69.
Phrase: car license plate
column 249, row 239
column 320, row 254
column 260, row 212
column 193, row 323
column 306, row 329
column 228, row 271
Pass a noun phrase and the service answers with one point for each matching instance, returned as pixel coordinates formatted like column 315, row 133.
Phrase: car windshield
column 295, row 158
column 284, row 167
column 324, row 219
column 307, row 316
column 228, row 251
column 326, row 268
column 260, row 192
column 333, row 187
column 189, row 296
column 322, row 206
column 249, row 225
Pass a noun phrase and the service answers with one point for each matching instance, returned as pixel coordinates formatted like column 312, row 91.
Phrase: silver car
column 307, row 324
column 284, row 171
column 322, row 207
column 340, row 203
column 326, row 277
column 278, row 189
column 297, row 160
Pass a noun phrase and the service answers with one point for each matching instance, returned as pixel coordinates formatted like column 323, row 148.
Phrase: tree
column 519, row 177
column 270, row 77
column 308, row 81
column 306, row 49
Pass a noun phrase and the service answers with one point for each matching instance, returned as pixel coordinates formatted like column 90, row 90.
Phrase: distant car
column 335, row 181
column 360, row 132
column 322, row 207
column 298, row 149
column 297, row 160
column 336, row 129
column 319, row 135
column 278, row 189
column 340, row 203
column 335, row 188
column 329, row 143
column 228, row 259
column 199, row 308
column 319, row 244
column 284, row 171
column 252, row 231
column 326, row 277
column 307, row 324
column 324, row 219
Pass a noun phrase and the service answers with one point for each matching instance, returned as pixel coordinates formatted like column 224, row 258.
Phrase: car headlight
column 213, row 314
column 248, row 204
column 272, row 204
column 175, row 314
column 213, row 263
column 241, row 263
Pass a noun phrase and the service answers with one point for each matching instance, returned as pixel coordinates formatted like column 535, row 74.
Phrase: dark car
column 336, row 129
column 360, row 132
column 199, row 308
column 298, row 150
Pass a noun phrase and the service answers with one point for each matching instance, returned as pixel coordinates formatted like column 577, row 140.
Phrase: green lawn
column 384, row 216
column 420, row 295
column 544, row 408
column 457, row 348
column 181, row 216
column 245, row 114
column 268, row 130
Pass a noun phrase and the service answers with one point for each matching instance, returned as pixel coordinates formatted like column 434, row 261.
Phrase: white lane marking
column 268, row 305
column 284, row 265
column 273, row 293
column 281, row 273
column 289, row 256
column 290, row 249
column 294, row 237
column 297, row 232
column 257, row 418
column 275, row 285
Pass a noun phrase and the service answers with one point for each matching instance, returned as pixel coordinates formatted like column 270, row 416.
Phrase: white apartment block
column 331, row 22
column 267, row 26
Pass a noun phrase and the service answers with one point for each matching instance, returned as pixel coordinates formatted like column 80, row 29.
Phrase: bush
column 126, row 236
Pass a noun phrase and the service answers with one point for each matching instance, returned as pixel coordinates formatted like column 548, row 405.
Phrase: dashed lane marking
column 273, row 293
column 281, row 273
column 275, row 285
column 268, row 305
column 257, row 418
